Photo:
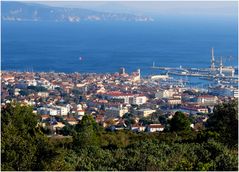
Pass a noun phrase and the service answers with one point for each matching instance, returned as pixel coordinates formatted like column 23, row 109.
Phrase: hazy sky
column 158, row 8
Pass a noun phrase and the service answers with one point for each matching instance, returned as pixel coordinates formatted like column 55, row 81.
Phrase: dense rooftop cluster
column 117, row 101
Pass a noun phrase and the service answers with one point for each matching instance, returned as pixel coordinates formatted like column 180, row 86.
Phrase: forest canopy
column 24, row 146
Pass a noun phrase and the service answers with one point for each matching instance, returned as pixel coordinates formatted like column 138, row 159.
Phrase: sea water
column 104, row 47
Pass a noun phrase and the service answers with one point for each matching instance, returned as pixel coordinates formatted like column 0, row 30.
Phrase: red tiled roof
column 118, row 93
column 156, row 126
column 45, row 116
column 7, row 77
column 80, row 111
column 140, row 95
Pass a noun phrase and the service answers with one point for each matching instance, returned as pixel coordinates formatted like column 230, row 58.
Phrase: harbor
column 216, row 72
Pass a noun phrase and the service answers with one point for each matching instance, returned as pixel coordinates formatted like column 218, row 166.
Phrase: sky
column 157, row 8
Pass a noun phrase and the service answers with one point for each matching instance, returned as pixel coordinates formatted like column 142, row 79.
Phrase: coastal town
column 119, row 86
column 118, row 101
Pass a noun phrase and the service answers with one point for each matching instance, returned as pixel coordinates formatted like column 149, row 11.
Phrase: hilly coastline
column 18, row 11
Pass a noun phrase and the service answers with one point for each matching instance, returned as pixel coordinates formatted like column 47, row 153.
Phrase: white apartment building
column 114, row 112
column 145, row 112
column 138, row 100
column 126, row 98
column 165, row 93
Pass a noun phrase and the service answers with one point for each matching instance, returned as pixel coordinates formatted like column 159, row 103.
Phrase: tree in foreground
column 18, row 147
column 179, row 122
column 86, row 133
column 23, row 145
column 224, row 120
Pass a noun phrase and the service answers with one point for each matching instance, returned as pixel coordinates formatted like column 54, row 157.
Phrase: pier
column 217, row 72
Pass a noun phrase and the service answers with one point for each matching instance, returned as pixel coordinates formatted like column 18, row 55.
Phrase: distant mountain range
column 18, row 11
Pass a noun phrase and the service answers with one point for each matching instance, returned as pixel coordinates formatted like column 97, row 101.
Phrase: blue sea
column 104, row 47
